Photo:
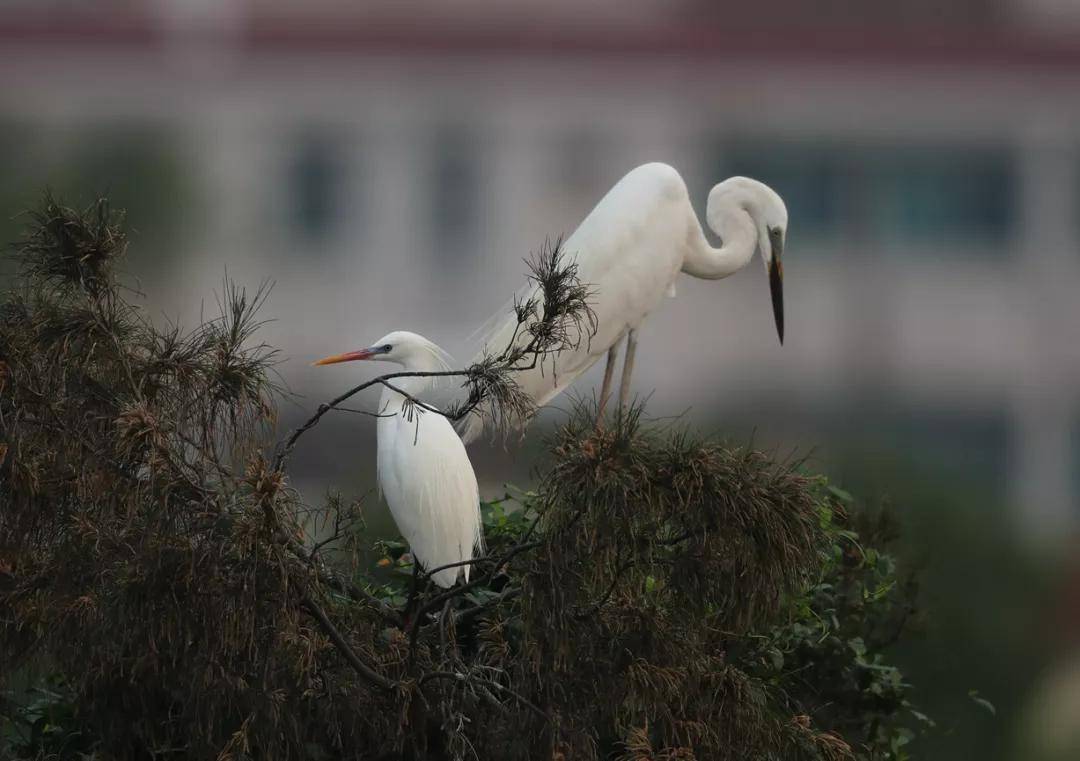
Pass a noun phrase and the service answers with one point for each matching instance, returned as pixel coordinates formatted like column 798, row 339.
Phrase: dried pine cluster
column 662, row 554
column 141, row 548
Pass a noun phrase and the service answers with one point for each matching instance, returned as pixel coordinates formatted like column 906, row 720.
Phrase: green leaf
column 857, row 646
column 901, row 738
column 841, row 495
column 776, row 658
column 982, row 702
column 922, row 717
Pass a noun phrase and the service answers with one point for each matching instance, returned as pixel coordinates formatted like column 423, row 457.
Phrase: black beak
column 776, row 288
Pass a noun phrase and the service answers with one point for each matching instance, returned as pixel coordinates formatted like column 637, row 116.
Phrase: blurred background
column 389, row 163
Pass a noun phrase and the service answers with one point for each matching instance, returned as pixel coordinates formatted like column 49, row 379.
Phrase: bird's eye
column 387, row 347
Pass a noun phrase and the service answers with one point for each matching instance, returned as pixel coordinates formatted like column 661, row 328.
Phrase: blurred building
column 390, row 163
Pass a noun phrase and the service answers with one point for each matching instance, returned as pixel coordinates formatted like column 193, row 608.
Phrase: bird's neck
column 420, row 362
column 736, row 230
column 390, row 401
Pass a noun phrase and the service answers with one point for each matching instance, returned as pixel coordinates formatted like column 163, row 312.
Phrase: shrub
column 658, row 596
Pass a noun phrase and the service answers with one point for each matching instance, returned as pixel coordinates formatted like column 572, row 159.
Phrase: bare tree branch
column 342, row 644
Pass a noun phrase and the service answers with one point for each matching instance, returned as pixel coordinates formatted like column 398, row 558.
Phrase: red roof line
column 970, row 46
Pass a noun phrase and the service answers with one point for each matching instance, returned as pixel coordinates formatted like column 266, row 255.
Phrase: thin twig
column 602, row 600
column 565, row 306
column 287, row 446
column 343, row 646
column 463, row 679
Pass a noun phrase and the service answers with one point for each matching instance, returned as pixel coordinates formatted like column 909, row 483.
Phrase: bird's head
column 410, row 350
column 768, row 214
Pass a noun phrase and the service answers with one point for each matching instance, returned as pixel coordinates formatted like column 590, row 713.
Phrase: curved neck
column 739, row 239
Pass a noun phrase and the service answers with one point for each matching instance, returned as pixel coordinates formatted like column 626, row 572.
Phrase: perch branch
column 488, row 683
column 343, row 646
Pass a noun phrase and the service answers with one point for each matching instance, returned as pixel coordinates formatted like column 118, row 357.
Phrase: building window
column 880, row 440
column 940, row 194
column 917, row 194
column 972, row 445
column 454, row 190
column 315, row 181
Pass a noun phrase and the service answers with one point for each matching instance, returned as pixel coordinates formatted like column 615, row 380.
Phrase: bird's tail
column 471, row 427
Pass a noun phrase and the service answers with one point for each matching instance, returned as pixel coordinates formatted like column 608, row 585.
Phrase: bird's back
column 628, row 250
column 429, row 484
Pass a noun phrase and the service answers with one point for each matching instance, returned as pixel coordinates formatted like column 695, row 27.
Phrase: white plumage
column 424, row 472
column 630, row 249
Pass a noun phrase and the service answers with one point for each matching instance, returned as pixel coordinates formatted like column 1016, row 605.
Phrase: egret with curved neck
column 630, row 250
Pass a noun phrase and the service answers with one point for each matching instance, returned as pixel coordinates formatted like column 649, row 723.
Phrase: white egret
column 630, row 249
column 424, row 472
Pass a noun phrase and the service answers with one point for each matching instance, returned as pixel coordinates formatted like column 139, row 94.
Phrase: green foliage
column 657, row 596
column 42, row 721
column 816, row 681
column 612, row 642
column 659, row 550
column 989, row 593
column 830, row 657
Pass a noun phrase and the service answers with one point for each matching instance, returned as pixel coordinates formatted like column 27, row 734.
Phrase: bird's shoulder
column 658, row 178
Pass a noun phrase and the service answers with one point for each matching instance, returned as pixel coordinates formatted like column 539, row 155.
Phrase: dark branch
column 343, row 646
column 469, row 613
column 483, row 683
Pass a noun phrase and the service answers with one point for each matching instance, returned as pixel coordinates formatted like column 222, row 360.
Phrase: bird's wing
column 491, row 326
column 541, row 383
column 628, row 251
column 495, row 334
column 493, row 337
column 431, row 489
column 550, row 378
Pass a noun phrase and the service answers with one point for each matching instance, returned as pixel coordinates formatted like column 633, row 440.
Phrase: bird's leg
column 605, row 389
column 627, row 367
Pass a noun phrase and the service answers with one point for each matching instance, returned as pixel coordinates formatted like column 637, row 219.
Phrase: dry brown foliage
column 152, row 551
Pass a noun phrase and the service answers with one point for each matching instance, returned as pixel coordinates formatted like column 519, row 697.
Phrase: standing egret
column 424, row 471
column 629, row 250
